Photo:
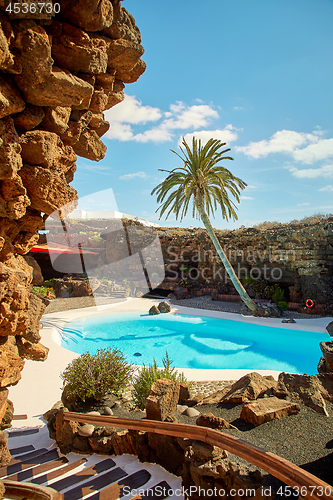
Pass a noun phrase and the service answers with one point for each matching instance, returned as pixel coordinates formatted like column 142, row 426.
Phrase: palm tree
column 202, row 181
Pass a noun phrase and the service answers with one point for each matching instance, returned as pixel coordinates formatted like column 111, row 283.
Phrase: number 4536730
column 33, row 8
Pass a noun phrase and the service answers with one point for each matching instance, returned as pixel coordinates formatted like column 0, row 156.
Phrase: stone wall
column 59, row 72
column 298, row 256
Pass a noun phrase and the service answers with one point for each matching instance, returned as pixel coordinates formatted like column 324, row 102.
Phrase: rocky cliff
column 60, row 69
column 297, row 256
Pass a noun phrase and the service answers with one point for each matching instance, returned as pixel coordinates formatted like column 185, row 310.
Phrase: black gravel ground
column 305, row 439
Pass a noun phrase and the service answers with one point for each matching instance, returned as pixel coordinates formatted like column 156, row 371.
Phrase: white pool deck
column 41, row 385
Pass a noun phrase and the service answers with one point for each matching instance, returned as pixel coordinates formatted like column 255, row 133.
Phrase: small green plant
column 149, row 374
column 42, row 291
column 278, row 295
column 283, row 305
column 247, row 280
column 93, row 376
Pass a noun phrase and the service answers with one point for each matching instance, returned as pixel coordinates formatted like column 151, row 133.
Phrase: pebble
column 86, row 430
column 93, row 413
column 191, row 412
column 107, row 411
column 181, row 408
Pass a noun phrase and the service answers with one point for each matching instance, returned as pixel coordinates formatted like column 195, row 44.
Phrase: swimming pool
column 196, row 341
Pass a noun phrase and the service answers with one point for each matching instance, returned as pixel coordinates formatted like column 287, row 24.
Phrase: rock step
column 21, row 449
column 26, row 464
column 84, row 474
column 100, row 478
column 29, row 474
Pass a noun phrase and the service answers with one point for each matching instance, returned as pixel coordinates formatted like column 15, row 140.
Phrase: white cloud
column 193, row 116
column 312, row 173
column 283, row 141
column 132, row 176
column 238, row 108
column 224, row 135
column 131, row 112
column 320, row 151
column 302, row 204
column 120, row 131
column 328, row 188
column 157, row 134
column 303, row 147
column 246, row 198
column 251, row 187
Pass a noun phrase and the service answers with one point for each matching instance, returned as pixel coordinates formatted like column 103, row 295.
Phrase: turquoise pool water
column 196, row 341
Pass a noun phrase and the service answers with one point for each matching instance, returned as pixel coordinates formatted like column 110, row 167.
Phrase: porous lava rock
column 267, row 409
column 249, row 388
column 210, row 420
column 58, row 73
column 162, row 400
column 306, row 389
column 154, row 310
column 164, row 307
column 329, row 328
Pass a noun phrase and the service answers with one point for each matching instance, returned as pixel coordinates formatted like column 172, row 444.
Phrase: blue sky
column 256, row 74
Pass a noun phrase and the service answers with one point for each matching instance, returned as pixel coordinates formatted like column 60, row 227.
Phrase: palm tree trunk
column 228, row 267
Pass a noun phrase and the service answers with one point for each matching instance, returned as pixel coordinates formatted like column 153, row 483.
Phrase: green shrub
column 96, row 375
column 42, row 291
column 149, row 374
column 247, row 280
column 283, row 305
column 278, row 295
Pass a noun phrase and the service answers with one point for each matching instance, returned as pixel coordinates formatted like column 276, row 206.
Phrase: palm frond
column 201, row 181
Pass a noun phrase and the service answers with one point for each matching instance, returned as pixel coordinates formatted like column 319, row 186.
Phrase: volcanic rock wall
column 60, row 69
column 299, row 257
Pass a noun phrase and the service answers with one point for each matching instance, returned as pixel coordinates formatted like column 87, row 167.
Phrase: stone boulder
column 65, row 431
column 56, row 119
column 10, row 99
column 34, row 351
column 329, row 328
column 154, row 310
column 43, row 84
column 164, row 307
column 29, row 118
column 216, row 397
column 10, row 157
column 11, row 364
column 48, row 190
column 267, row 409
column 327, row 350
column 264, row 310
column 204, row 451
column 210, row 420
column 46, row 149
column 184, row 392
column 249, row 388
column 124, row 54
column 181, row 293
column 162, row 400
column 78, row 52
column 305, row 389
column 37, row 272
column 94, row 15
column 6, row 58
